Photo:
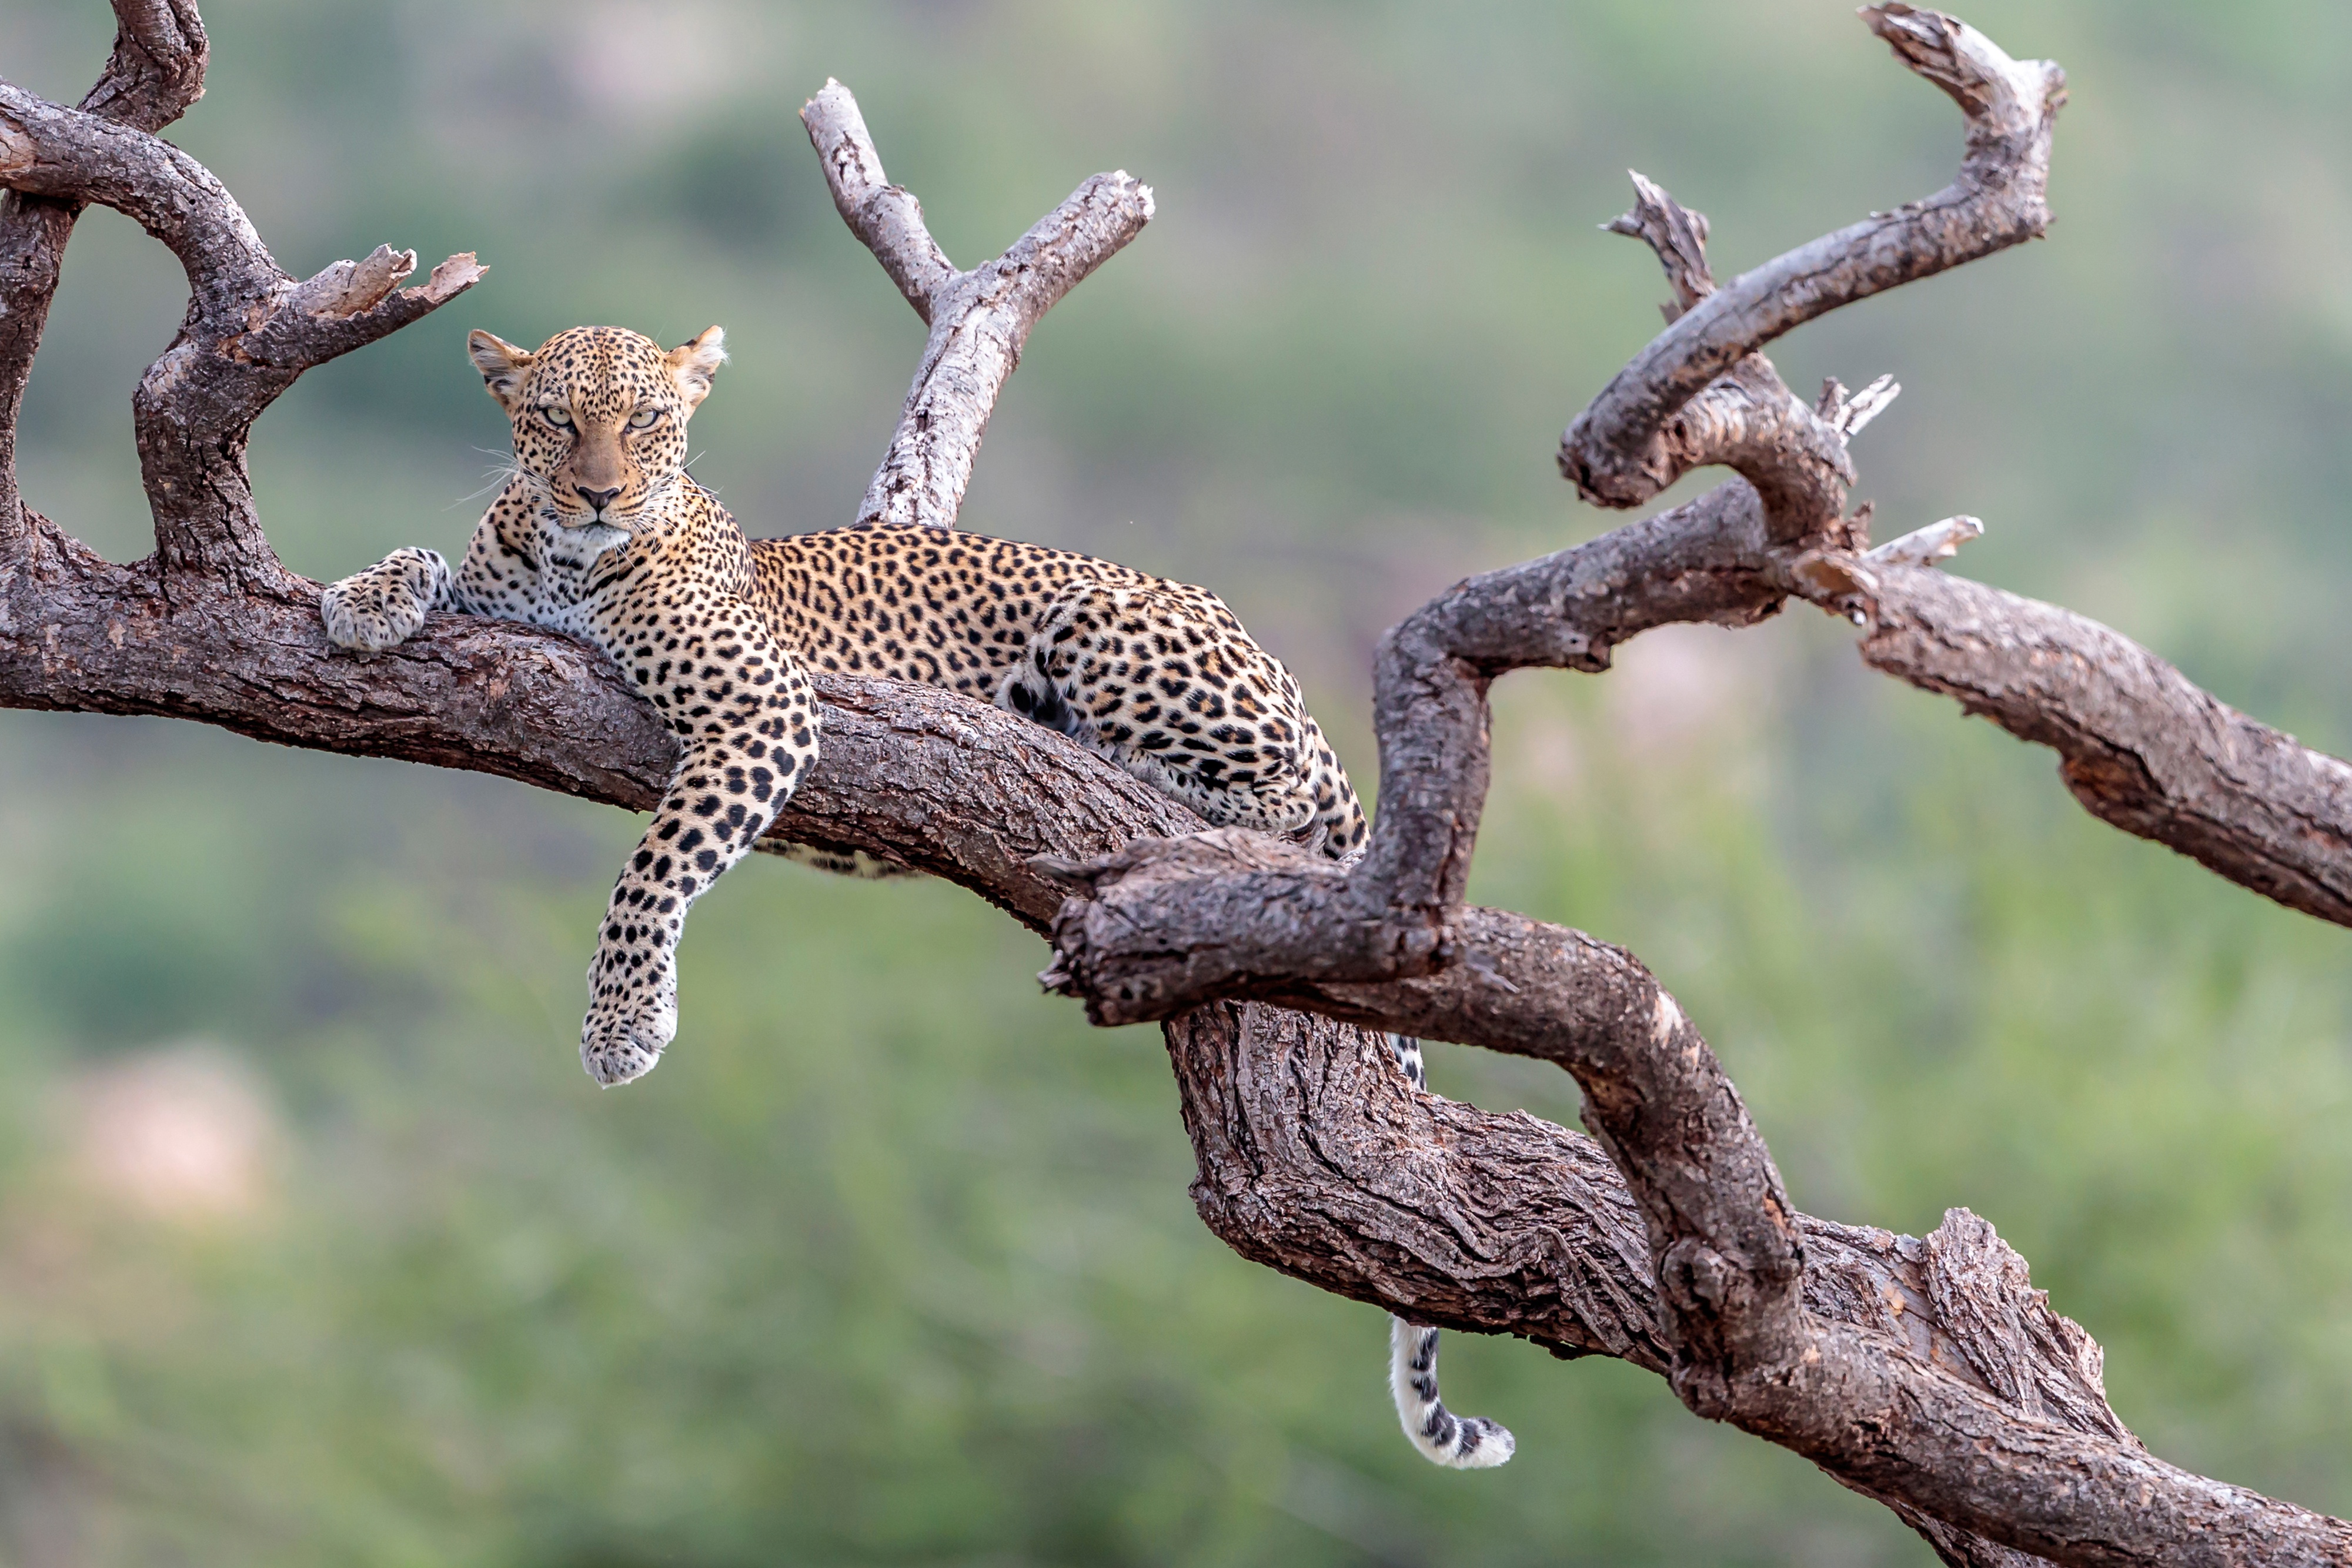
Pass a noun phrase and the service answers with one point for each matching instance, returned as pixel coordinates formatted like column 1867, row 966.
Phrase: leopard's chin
column 591, row 540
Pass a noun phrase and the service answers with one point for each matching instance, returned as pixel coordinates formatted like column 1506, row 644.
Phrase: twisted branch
column 1616, row 452
column 156, row 71
column 1977, row 1463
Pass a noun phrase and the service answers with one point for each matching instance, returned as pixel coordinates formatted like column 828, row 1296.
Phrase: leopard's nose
column 598, row 499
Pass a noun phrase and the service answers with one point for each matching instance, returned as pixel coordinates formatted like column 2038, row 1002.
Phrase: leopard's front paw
column 626, row 1032
column 382, row 607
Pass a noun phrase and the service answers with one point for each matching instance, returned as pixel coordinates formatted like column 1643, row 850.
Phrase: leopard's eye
column 644, row 419
column 559, row 417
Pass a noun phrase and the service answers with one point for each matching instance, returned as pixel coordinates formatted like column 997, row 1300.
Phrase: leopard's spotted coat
column 600, row 533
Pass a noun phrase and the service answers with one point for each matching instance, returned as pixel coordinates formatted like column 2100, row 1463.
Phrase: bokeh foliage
column 892, row 1263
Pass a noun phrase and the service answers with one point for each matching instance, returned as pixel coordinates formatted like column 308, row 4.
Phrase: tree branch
column 2140, row 746
column 1614, row 452
column 979, row 320
column 156, row 71
column 1163, row 928
column 250, row 329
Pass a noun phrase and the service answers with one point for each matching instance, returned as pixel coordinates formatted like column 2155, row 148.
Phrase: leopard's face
column 600, row 418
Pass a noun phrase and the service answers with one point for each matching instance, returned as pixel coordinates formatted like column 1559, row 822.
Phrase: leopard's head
column 600, row 416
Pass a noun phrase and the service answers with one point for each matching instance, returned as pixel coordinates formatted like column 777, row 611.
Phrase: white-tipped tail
column 1457, row 1442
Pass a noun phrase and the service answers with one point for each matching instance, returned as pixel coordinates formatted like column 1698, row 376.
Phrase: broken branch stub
column 978, row 319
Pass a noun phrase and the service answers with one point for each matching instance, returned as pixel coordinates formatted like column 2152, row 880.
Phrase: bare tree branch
column 249, row 332
column 886, row 218
column 1614, row 450
column 157, row 69
column 1164, row 929
column 2140, row 746
column 979, row 320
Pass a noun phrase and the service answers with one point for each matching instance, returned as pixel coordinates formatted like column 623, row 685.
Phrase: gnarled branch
column 1614, row 453
column 1161, row 929
column 156, row 71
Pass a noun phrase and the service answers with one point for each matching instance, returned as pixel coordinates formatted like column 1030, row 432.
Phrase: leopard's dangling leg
column 748, row 717
column 1457, row 1442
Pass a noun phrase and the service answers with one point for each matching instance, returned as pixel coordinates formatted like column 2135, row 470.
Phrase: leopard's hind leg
column 1161, row 679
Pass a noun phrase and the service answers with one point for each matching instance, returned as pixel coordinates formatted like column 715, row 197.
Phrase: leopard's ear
column 696, row 361
column 503, row 366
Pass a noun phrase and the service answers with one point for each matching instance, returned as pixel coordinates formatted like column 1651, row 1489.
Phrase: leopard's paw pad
column 382, row 607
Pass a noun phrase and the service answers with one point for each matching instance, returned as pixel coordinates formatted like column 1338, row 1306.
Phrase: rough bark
column 2141, row 746
column 1923, row 1372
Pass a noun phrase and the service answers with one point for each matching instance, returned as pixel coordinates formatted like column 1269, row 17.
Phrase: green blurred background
column 316, row 1246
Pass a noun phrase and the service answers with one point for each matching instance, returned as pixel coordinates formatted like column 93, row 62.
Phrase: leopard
column 599, row 532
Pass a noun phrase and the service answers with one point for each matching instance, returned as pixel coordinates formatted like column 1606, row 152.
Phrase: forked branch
column 979, row 320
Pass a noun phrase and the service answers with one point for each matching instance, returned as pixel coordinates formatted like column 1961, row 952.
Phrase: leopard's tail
column 1457, row 1442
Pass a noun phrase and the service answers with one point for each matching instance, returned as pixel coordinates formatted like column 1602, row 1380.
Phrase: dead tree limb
column 1923, row 1372
column 2140, row 746
column 979, row 320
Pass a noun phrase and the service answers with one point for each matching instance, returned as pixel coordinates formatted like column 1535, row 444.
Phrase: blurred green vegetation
column 892, row 1262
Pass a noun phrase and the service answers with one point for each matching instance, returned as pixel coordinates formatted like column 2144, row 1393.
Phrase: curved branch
column 2140, row 744
column 1195, row 938
column 250, row 330
column 1746, row 419
column 1615, row 453
column 156, row 71
column 979, row 320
